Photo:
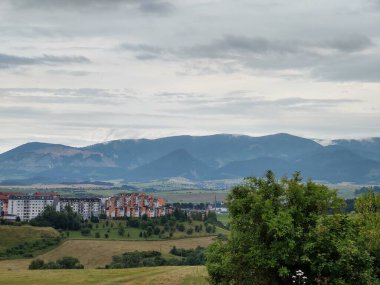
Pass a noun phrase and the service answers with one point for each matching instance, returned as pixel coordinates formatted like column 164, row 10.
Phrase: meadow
column 110, row 231
column 98, row 253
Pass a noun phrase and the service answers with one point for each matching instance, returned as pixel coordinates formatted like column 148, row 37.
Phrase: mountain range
column 198, row 158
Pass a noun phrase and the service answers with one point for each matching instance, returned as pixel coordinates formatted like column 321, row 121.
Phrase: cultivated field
column 165, row 275
column 98, row 253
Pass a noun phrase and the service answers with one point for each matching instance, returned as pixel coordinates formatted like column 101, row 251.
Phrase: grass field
column 165, row 275
column 13, row 235
column 224, row 218
column 134, row 233
column 98, row 253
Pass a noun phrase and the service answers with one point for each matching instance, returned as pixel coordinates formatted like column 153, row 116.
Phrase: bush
column 63, row 263
column 36, row 264
column 181, row 227
column 121, row 231
column 85, row 231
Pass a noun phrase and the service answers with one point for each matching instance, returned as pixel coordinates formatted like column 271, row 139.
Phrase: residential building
column 135, row 205
column 86, row 207
column 28, row 207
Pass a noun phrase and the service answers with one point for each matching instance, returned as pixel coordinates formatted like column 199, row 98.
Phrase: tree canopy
column 279, row 226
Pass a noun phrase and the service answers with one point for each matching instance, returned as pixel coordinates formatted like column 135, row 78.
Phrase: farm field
column 165, row 275
column 14, row 235
column 98, row 253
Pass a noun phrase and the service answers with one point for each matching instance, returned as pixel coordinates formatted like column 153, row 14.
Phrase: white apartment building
column 29, row 207
column 86, row 207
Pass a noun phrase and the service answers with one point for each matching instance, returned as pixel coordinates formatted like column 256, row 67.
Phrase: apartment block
column 86, row 207
column 28, row 207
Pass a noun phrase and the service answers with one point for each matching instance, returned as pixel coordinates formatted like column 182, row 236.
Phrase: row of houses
column 27, row 207
column 136, row 205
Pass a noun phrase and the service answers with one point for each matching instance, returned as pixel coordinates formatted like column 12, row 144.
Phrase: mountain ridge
column 218, row 156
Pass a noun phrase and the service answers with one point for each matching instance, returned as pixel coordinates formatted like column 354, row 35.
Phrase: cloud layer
column 79, row 72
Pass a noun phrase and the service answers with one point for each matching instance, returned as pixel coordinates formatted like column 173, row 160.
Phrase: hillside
column 196, row 158
column 11, row 236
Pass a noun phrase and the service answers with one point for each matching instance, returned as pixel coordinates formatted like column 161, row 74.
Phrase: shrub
column 85, row 231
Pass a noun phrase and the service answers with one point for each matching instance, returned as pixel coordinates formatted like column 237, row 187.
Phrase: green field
column 134, row 233
column 14, row 235
column 224, row 218
column 165, row 275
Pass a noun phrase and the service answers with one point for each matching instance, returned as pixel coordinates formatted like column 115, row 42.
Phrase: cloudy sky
column 79, row 72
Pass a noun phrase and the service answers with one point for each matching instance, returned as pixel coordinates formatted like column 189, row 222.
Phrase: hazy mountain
column 369, row 148
column 337, row 164
column 197, row 158
column 255, row 167
column 215, row 150
column 178, row 163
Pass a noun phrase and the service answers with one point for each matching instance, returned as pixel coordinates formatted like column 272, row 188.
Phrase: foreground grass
column 168, row 275
column 14, row 235
column 98, row 253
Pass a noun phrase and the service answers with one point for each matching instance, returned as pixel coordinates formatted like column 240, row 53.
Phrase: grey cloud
column 89, row 96
column 144, row 51
column 69, row 72
column 146, row 6
column 8, row 61
column 238, row 46
column 244, row 105
column 156, row 7
column 233, row 45
column 359, row 68
column 231, row 53
column 350, row 43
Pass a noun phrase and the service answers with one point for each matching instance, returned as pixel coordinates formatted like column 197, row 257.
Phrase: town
column 14, row 206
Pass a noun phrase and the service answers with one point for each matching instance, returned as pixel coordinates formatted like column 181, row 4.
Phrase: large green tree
column 281, row 226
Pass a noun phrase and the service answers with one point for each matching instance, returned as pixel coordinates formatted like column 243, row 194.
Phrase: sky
column 79, row 72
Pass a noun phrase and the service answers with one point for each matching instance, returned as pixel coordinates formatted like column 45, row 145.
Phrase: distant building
column 136, row 205
column 4, row 197
column 28, row 207
column 86, row 207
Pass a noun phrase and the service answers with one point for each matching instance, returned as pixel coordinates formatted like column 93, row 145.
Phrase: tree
column 121, row 230
column 367, row 208
column 36, row 264
column 281, row 226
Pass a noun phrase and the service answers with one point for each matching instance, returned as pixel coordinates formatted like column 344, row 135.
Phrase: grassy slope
column 96, row 253
column 14, row 235
column 167, row 275
column 134, row 233
column 224, row 218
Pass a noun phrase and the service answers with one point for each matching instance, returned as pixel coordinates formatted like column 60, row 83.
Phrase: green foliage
column 154, row 258
column 65, row 220
column 27, row 249
column 63, row 263
column 121, row 230
column 278, row 227
column 85, row 231
column 367, row 207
